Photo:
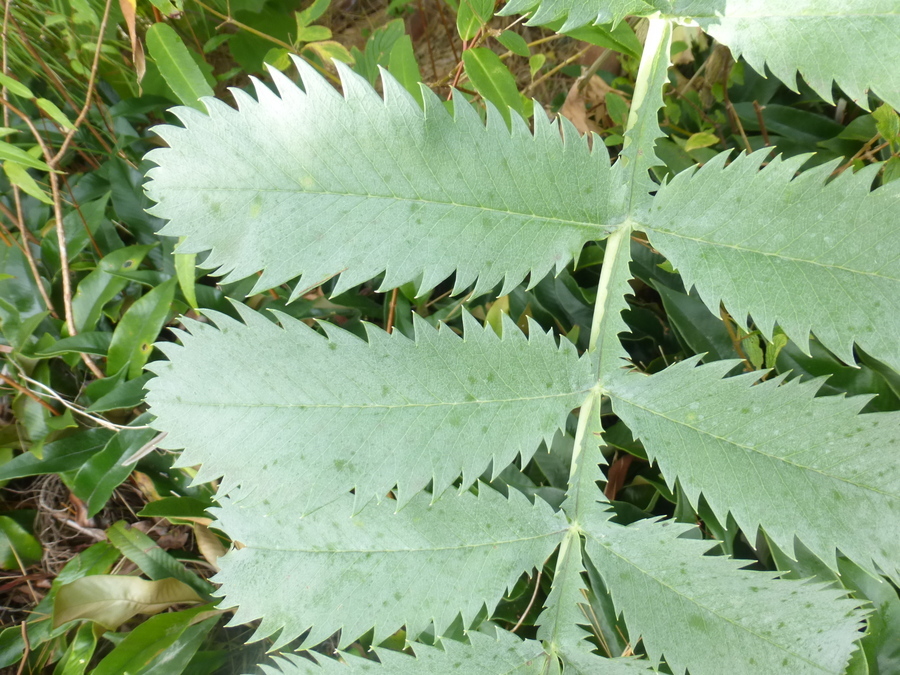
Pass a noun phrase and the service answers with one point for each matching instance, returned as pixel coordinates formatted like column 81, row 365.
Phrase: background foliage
column 104, row 547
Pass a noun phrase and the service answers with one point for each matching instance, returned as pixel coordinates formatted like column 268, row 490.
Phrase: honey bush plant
column 350, row 467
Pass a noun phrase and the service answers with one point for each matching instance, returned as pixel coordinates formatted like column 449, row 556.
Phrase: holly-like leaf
column 789, row 248
column 424, row 563
column 382, row 186
column 319, row 414
column 774, row 455
column 702, row 612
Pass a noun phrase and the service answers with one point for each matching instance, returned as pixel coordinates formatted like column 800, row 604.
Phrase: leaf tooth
column 473, row 331
column 464, row 114
column 315, row 86
column 398, row 97
column 431, row 277
column 436, row 114
column 495, row 120
column 245, row 102
column 356, row 87
column 394, row 277
column 465, row 277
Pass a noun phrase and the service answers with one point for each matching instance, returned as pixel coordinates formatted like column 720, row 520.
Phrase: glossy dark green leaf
column 133, row 339
column 176, row 65
column 101, row 285
column 161, row 645
column 492, row 79
column 701, row 330
column 151, row 559
column 128, row 394
column 95, row 480
column 92, row 342
column 175, row 507
column 66, row 454
column 18, row 546
column 472, row 15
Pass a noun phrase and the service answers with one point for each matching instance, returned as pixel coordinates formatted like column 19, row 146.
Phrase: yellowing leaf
column 111, row 600
column 703, row 139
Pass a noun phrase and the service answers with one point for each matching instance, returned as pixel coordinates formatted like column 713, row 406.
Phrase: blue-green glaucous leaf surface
column 325, row 415
column 314, row 184
column 789, row 248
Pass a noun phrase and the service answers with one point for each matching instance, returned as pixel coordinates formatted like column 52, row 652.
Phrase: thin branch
column 27, row 392
column 537, row 586
column 762, row 123
column 77, row 409
column 92, row 79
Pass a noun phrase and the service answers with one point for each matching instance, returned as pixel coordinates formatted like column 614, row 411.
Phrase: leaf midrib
column 755, row 450
column 436, row 549
column 383, row 405
column 792, row 259
column 431, row 202
column 709, row 610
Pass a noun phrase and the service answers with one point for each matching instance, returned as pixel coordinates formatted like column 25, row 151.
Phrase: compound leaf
column 326, row 415
column 701, row 612
column 789, row 248
column 424, row 563
column 774, row 455
column 382, row 186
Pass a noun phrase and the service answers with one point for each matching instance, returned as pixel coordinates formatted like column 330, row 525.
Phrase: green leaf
column 95, row 480
column 151, row 559
column 102, row 284
column 809, row 255
column 111, row 600
column 9, row 152
column 132, row 341
column 483, row 543
column 163, row 644
column 772, row 455
column 404, row 67
column 312, row 13
column 472, row 15
column 492, row 79
column 506, row 654
column 17, row 545
column 128, row 394
column 329, row 49
column 94, row 342
column 481, row 399
column 175, row 64
column 887, row 121
column 185, row 269
column 79, row 652
column 66, row 454
column 514, row 43
column 702, row 139
column 313, row 33
column 175, row 508
column 55, row 113
column 19, row 177
column 426, row 212
column 715, row 613
column 15, row 87
column 703, row 332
